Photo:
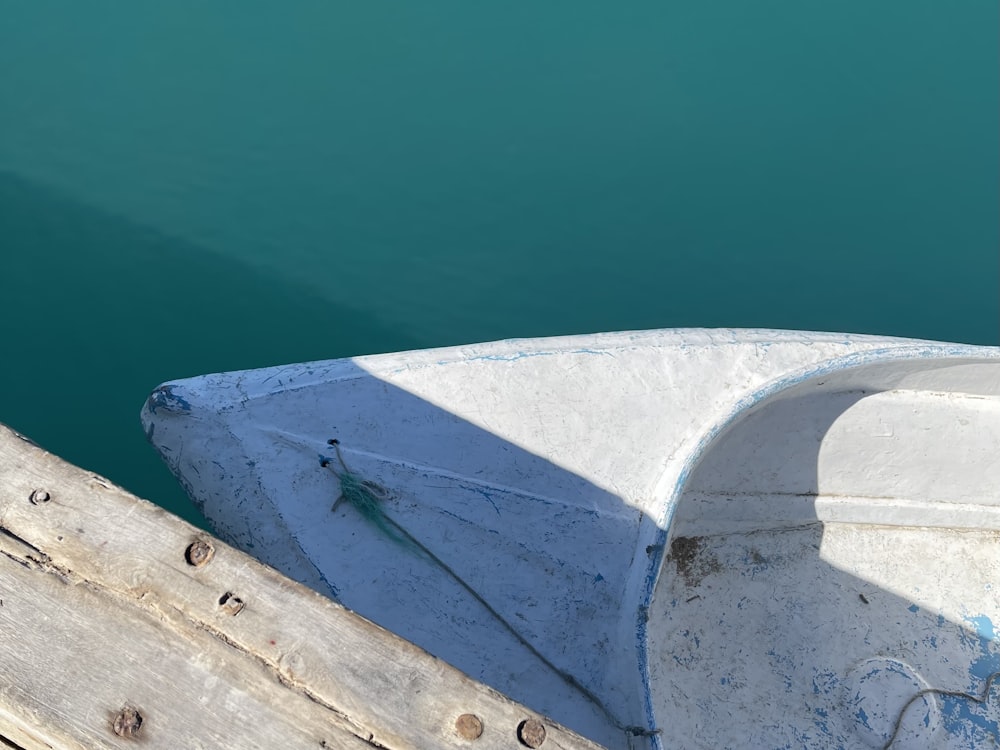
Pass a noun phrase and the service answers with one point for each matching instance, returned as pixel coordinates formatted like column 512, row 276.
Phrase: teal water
column 189, row 187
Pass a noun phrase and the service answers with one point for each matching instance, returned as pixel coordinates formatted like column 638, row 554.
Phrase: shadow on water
column 769, row 627
column 98, row 310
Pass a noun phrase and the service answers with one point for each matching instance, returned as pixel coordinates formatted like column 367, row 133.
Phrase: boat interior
column 831, row 575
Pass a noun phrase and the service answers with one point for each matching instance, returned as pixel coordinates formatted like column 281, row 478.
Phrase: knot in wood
column 127, row 722
column 531, row 733
column 469, row 726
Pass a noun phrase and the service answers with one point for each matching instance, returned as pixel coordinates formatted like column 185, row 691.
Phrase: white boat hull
column 688, row 538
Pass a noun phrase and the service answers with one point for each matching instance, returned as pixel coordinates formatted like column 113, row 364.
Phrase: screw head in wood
column 37, row 497
column 198, row 553
column 127, row 722
column 231, row 604
column 469, row 726
column 531, row 733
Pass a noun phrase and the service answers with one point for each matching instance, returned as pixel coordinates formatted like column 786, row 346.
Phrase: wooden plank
column 111, row 607
column 80, row 656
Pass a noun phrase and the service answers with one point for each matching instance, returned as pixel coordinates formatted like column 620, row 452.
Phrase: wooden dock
column 123, row 626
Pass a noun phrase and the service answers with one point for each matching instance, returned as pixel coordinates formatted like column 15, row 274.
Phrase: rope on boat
column 981, row 700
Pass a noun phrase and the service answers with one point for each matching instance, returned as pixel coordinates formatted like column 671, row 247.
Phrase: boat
column 671, row 538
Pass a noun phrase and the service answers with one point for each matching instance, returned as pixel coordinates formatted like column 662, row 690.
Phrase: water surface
column 189, row 187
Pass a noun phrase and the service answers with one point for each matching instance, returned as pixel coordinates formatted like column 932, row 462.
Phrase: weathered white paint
column 560, row 477
column 101, row 611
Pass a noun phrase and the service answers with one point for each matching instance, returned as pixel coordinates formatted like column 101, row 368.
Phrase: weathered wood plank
column 81, row 656
column 105, row 607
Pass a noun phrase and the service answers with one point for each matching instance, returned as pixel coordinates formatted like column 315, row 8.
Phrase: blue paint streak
column 825, row 683
column 862, row 717
column 983, row 626
column 821, row 723
column 526, row 355
column 483, row 493
column 913, row 608
column 963, row 717
column 165, row 398
column 972, row 722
